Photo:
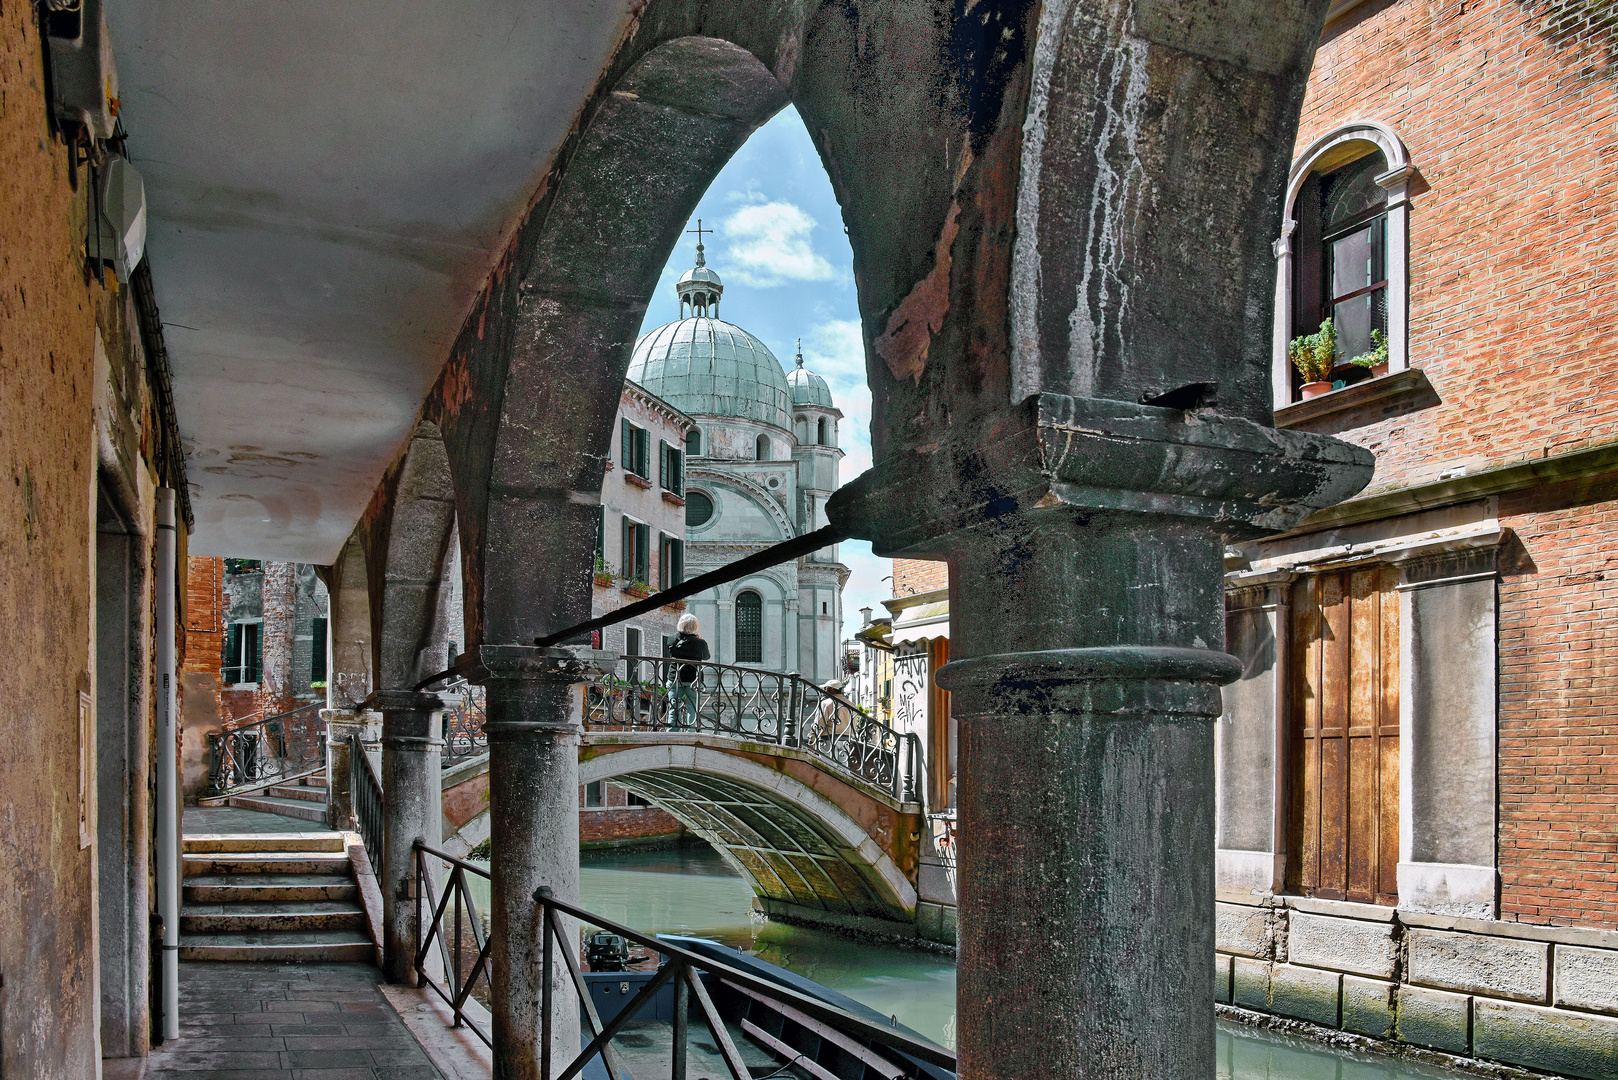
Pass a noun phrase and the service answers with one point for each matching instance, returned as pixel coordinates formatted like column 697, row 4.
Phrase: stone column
column 1094, row 679
column 535, row 704
column 411, row 750
column 341, row 724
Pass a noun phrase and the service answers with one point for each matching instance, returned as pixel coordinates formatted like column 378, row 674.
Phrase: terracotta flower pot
column 1379, row 370
column 1313, row 390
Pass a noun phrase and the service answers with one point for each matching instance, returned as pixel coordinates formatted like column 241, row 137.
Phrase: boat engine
column 606, row 951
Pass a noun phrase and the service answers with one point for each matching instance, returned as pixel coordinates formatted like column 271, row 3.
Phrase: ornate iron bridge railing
column 648, row 693
column 259, row 752
column 463, row 725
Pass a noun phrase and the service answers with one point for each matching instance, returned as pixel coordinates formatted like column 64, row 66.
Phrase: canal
column 691, row 890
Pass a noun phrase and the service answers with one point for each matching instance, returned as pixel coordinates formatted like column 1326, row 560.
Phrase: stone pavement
column 231, row 820
column 254, row 1021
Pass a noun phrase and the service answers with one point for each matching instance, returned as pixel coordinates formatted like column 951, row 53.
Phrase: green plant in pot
column 1314, row 355
column 1377, row 359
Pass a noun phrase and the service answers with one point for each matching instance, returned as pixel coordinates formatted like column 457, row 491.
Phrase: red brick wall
column 1508, row 116
column 912, row 576
column 1558, row 714
column 617, row 820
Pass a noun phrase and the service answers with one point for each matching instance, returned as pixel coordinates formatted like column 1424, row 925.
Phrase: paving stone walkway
column 287, row 1022
column 232, row 820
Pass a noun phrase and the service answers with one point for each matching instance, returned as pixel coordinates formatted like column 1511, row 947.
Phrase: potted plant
column 1314, row 355
column 637, row 588
column 1377, row 359
column 601, row 574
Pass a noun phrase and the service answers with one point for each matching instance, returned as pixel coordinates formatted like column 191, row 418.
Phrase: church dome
column 807, row 387
column 707, row 367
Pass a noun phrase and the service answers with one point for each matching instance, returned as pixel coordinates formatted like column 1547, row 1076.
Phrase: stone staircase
column 303, row 798
column 272, row 896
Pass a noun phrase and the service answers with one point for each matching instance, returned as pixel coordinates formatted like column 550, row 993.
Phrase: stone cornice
column 1503, row 479
column 658, row 405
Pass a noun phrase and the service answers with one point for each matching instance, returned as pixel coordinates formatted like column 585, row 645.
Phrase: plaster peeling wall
column 47, row 479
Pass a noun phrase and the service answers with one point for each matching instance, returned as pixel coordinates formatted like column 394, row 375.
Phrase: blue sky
column 788, row 273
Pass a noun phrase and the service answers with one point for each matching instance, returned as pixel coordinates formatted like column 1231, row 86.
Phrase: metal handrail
column 457, row 988
column 646, row 693
column 680, row 966
column 259, row 752
column 370, row 801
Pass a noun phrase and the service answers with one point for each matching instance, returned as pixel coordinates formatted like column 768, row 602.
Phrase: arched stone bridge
column 785, row 804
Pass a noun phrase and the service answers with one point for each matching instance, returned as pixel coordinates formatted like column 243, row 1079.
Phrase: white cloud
column 768, row 245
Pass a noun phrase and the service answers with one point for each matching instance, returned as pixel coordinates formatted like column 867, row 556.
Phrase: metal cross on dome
column 699, row 230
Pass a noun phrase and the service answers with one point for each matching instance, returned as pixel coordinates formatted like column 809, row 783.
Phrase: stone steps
column 248, row 915
column 267, row 888
column 276, row 898
column 265, row 862
column 298, row 792
column 293, row 808
column 279, row 946
column 303, row 841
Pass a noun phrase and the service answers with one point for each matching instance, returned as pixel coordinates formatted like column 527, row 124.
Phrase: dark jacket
column 689, row 647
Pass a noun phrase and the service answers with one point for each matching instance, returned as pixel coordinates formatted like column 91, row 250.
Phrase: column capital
column 392, row 701
column 1053, row 452
column 484, row 665
column 1121, row 681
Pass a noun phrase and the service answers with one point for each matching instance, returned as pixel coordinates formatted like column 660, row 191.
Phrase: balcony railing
column 256, row 753
column 463, row 725
column 648, row 693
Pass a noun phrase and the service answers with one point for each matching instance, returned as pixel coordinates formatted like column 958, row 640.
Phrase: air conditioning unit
column 84, row 82
column 118, row 230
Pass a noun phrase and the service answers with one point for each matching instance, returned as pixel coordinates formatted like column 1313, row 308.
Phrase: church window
column 825, row 432
column 749, row 628
column 761, row 448
column 693, row 443
column 671, row 468
column 636, row 551
column 698, row 509
column 635, row 449
column 244, row 652
column 672, row 564
column 1343, row 254
column 1343, row 816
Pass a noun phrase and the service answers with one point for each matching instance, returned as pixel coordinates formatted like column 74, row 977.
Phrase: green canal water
column 693, row 891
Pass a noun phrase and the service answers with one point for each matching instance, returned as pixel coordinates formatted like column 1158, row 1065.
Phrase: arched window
column 761, row 448
column 749, row 628
column 1344, row 252
column 825, row 432
column 693, row 443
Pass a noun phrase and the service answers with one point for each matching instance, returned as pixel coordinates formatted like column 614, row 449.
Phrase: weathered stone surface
column 1499, row 967
column 1243, row 930
column 1221, row 979
column 1368, row 1006
column 1434, row 1018
column 1305, row 993
column 1573, row 1044
column 1250, row 984
column 1586, row 978
column 1365, row 948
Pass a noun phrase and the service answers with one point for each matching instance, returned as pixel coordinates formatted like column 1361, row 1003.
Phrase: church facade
column 758, row 470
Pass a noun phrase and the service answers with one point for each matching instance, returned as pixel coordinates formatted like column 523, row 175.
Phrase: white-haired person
column 687, row 645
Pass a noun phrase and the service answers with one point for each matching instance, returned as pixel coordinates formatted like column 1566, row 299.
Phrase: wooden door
column 1343, row 814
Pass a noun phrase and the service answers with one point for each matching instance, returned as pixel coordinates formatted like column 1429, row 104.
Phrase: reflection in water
column 693, row 891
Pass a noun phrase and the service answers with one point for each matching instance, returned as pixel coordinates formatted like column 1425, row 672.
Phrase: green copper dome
column 807, row 387
column 706, row 367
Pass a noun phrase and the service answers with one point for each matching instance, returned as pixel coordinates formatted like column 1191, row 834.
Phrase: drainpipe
column 168, row 825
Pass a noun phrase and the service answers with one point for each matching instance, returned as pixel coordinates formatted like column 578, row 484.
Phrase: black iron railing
column 449, row 920
column 256, row 753
column 888, row 1051
column 365, row 789
column 463, row 725
column 646, row 693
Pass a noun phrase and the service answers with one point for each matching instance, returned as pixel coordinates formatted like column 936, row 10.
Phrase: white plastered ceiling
column 329, row 184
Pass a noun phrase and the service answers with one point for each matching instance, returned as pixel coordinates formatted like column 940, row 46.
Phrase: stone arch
column 795, row 846
column 409, row 544
column 349, row 680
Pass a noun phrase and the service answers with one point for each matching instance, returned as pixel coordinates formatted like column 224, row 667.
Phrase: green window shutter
column 601, row 532
column 317, row 651
column 256, row 646
column 626, row 446
column 677, row 562
column 643, row 562
column 663, row 465
column 233, row 654
column 643, row 452
column 677, row 471
column 626, row 564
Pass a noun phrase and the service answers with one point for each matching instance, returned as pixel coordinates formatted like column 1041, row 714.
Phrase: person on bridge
column 687, row 645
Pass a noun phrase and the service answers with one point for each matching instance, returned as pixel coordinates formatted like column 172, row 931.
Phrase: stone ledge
column 1560, row 935
column 1342, row 909
column 1399, row 387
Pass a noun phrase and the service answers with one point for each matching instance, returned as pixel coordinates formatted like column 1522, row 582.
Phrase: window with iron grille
column 749, row 628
